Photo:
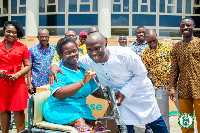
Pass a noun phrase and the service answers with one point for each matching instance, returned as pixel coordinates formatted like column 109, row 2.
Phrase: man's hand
column 30, row 88
column 119, row 98
column 54, row 69
column 172, row 94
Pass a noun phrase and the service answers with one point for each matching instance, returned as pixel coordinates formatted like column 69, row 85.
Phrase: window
column 83, row 6
column 3, row 20
column 143, row 20
column 72, row 5
column 196, row 2
column 52, row 20
column 120, row 20
column 179, row 6
column 22, row 7
column 170, row 6
column 82, row 19
column 5, row 6
column 135, row 6
column 21, row 19
column 56, row 31
column 196, row 21
column 120, row 5
column 144, row 6
column 42, row 6
column 15, row 8
column 170, row 20
column 95, row 6
column 188, row 7
column 170, row 33
column 153, row 6
column 162, row 6
column 61, row 5
column 22, row 2
column 51, row 6
column 196, row 10
column 119, row 31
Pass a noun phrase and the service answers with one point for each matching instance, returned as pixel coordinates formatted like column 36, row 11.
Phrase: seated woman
column 67, row 104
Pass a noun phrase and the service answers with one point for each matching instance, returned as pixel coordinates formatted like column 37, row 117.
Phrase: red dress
column 13, row 94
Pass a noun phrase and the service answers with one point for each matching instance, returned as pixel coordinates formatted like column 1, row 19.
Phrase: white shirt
column 125, row 72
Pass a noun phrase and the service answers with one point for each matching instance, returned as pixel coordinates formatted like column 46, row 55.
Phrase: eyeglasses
column 44, row 37
column 152, row 40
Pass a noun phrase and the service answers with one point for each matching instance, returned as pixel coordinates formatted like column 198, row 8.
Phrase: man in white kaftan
column 125, row 72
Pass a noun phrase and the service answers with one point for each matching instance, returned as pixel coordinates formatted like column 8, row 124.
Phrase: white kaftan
column 125, row 72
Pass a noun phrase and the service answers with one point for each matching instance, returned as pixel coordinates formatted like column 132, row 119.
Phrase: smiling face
column 43, row 37
column 96, row 47
column 10, row 33
column 151, row 40
column 70, row 54
column 186, row 28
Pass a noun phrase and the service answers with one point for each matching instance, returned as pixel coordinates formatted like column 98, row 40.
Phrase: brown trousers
column 188, row 105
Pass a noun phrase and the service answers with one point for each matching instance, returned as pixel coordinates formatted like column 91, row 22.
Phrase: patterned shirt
column 41, row 61
column 84, row 48
column 186, row 66
column 138, row 48
column 157, row 61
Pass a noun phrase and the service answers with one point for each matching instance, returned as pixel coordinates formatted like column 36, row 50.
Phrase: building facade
column 112, row 17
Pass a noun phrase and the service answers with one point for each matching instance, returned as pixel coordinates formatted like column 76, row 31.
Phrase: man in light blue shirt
column 139, row 45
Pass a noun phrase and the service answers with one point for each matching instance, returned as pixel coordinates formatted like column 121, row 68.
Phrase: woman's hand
column 14, row 76
column 88, row 75
column 3, row 75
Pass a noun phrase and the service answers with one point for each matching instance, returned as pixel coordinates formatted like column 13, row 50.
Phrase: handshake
column 91, row 72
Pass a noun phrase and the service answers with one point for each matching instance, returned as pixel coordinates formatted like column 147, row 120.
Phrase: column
column 104, row 17
column 32, row 17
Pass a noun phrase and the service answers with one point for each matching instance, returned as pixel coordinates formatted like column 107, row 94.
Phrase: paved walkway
column 174, row 127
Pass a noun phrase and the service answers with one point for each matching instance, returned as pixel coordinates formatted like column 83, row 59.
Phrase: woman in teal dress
column 67, row 103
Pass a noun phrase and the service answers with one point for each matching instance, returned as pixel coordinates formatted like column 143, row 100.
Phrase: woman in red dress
column 13, row 92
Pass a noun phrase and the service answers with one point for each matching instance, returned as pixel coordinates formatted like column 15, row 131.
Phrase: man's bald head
column 150, row 32
column 150, row 37
column 71, row 33
column 96, row 47
column 95, row 37
column 93, row 29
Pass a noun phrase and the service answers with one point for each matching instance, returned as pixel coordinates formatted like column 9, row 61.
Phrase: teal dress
column 74, row 107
